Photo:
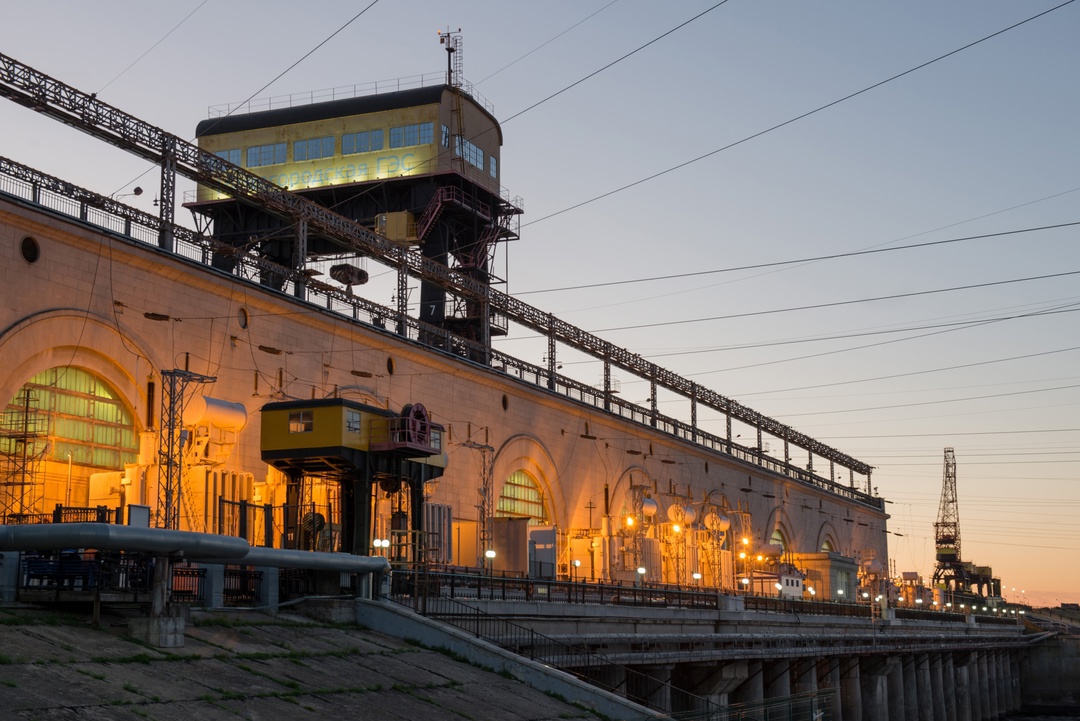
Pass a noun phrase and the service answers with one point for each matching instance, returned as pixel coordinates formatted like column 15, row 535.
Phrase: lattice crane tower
column 947, row 526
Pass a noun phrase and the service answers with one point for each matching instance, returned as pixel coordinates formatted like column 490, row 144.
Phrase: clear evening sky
column 980, row 142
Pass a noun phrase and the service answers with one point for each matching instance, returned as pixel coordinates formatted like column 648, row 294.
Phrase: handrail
column 536, row 646
column 34, row 89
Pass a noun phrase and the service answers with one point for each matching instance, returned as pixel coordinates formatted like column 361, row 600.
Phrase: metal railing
column 64, row 514
column 47, row 191
column 412, row 591
column 417, row 591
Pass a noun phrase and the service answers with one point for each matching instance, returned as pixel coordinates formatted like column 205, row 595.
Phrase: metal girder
column 26, row 86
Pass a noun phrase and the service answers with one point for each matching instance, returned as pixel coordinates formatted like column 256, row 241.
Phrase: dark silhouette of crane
column 951, row 571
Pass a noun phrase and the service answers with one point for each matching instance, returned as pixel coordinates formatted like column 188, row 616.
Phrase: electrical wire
column 913, row 373
column 929, row 403
column 786, row 122
column 611, row 64
column 835, row 304
column 795, row 261
column 544, row 44
column 150, row 49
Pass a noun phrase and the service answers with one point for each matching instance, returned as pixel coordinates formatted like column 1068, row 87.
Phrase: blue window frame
column 232, row 155
column 313, row 148
column 417, row 134
column 272, row 154
column 365, row 141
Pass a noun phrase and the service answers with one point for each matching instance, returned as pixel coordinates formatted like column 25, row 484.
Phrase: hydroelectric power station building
column 236, row 379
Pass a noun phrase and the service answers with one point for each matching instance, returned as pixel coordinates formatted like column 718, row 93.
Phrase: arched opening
column 777, row 539
column 521, row 497
column 827, row 545
column 63, row 425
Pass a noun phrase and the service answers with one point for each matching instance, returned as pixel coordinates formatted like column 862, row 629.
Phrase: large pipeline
column 196, row 547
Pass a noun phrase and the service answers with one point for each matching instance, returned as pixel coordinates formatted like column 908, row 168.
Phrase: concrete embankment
column 246, row 666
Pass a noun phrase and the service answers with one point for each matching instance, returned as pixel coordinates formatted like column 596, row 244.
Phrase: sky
column 774, row 155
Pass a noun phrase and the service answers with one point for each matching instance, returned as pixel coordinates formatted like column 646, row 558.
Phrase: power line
column 913, row 373
column 544, row 44
column 929, row 403
column 961, row 433
column 948, row 327
column 151, row 48
column 795, row 261
column 840, row 302
column 613, row 62
column 789, row 121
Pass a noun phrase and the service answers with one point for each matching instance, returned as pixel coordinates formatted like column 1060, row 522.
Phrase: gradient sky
column 980, row 142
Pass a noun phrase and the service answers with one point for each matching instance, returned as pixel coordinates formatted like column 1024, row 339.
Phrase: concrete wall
column 83, row 302
column 1050, row 676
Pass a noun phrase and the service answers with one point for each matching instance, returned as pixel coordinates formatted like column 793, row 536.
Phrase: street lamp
column 697, row 578
column 840, row 593
column 813, row 592
column 577, row 565
column 490, row 556
column 641, row 575
column 778, row 588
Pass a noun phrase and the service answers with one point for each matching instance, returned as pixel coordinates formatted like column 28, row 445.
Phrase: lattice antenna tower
column 171, row 438
column 451, row 41
column 947, row 526
column 22, row 430
column 486, row 506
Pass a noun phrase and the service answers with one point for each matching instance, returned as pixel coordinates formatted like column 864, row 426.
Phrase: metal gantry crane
column 952, row 572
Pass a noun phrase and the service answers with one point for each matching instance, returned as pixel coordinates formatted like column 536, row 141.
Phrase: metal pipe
column 198, row 547
column 293, row 558
column 108, row 537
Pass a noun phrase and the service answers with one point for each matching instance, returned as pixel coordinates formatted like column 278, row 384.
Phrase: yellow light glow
column 676, row 528
column 629, row 520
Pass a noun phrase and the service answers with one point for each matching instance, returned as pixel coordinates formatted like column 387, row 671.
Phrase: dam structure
column 237, row 381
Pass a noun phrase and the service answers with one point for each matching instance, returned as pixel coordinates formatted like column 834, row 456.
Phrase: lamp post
column 490, row 556
column 779, row 589
column 641, row 576
column 574, row 569
column 840, row 594
column 813, row 592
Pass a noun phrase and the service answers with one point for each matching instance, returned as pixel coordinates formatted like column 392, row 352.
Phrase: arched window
column 521, row 497
column 778, row 539
column 88, row 423
column 826, row 545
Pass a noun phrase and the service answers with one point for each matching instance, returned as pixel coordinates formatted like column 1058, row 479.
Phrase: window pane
column 347, row 141
column 376, row 139
column 299, row 150
column 397, row 137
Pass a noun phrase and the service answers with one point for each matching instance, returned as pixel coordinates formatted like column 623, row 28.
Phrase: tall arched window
column 827, row 546
column 521, row 497
column 778, row 539
column 88, row 424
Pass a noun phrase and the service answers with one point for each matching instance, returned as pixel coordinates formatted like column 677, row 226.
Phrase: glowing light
column 629, row 520
column 489, row 554
column 676, row 528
